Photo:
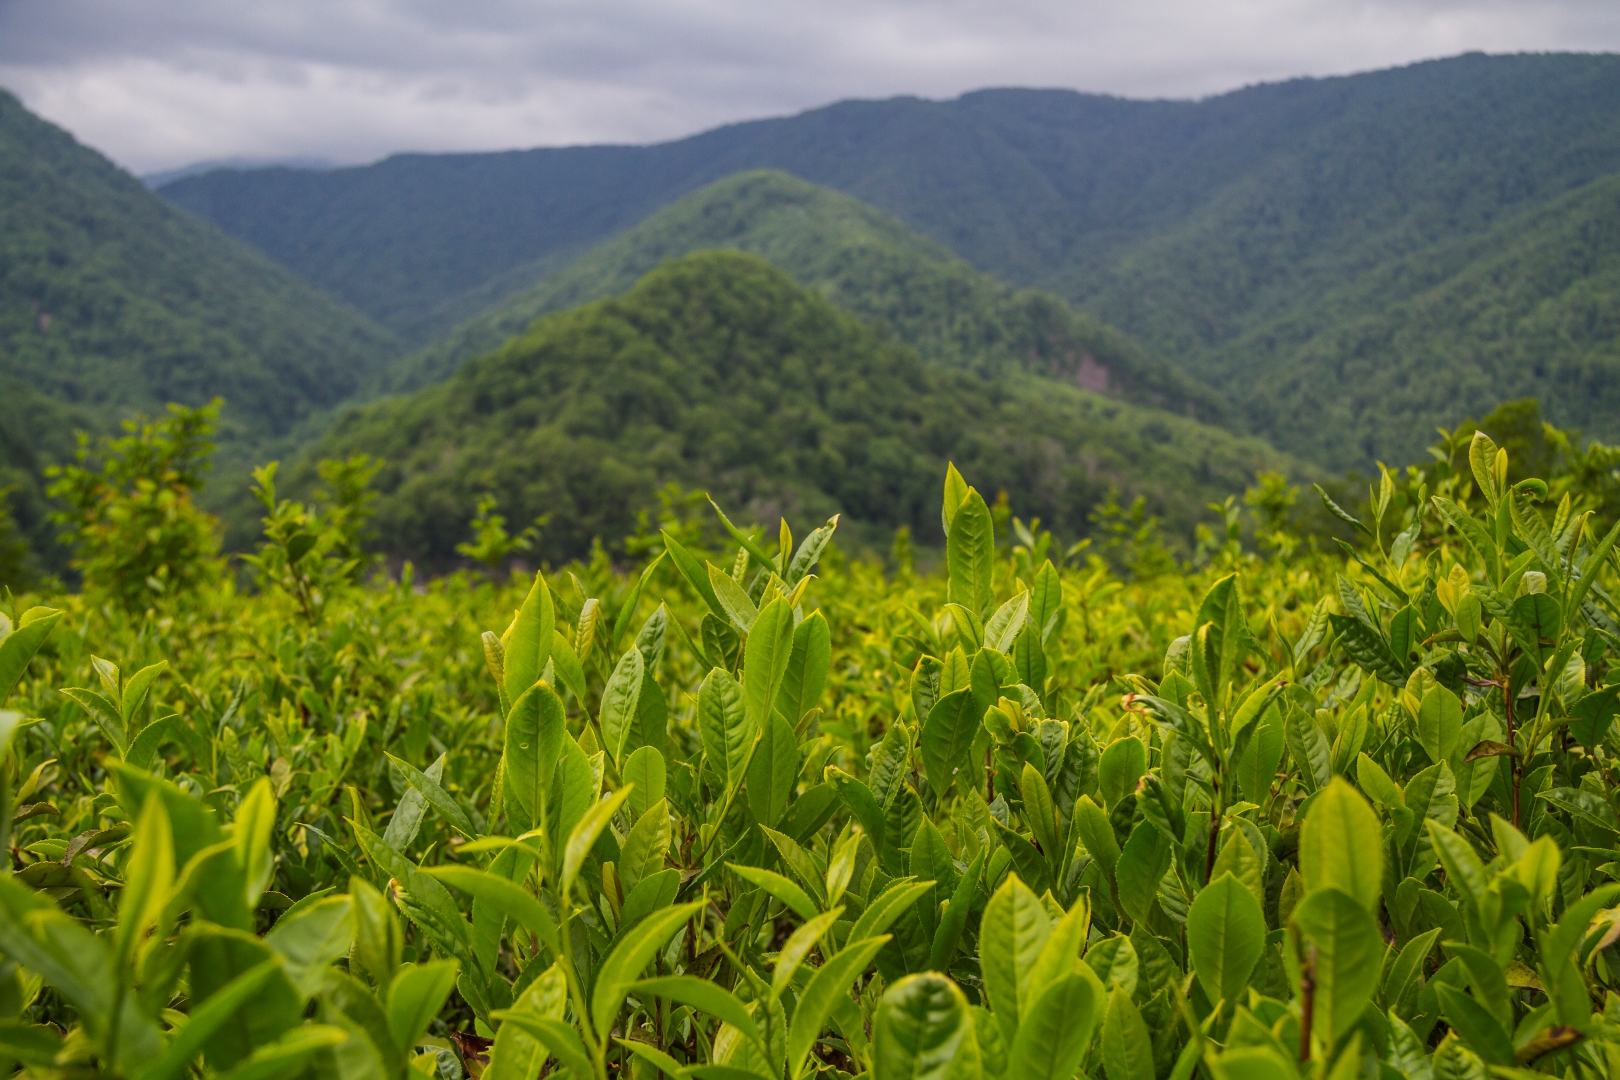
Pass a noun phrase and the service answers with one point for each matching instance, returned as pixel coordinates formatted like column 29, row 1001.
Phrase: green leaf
column 1221, row 610
column 18, row 647
column 723, row 726
column 810, row 552
column 221, row 1008
column 534, row 735
column 1122, row 764
column 507, row 897
column 810, row 874
column 103, row 711
column 970, row 549
column 806, row 674
column 1593, row 715
column 148, row 877
column 1097, row 834
column 881, row 913
column 1142, row 865
column 1368, row 649
column 956, row 491
column 136, row 689
column 1474, row 533
column 528, row 645
column 1590, row 569
column 797, row 900
column 734, row 602
column 1405, row 974
column 1487, row 981
column 921, row 1022
column 517, row 1055
column 1012, row 933
column 947, row 738
column 1348, row 954
column 1001, row 629
column 1582, row 804
column 1338, row 511
column 418, row 993
column 753, row 549
column 1341, row 845
column 555, row 1035
column 1115, row 961
column 703, row 995
column 436, row 797
column 1127, row 1046
column 797, row 947
column 1376, row 782
column 1440, row 722
column 1557, row 955
column 1240, row 858
column 584, row 835
column 953, row 922
column 1060, row 955
column 644, row 848
column 1052, row 1038
column 694, row 572
column 620, row 698
column 624, row 964
column 284, row 1056
column 644, row 772
column 1470, row 1020
column 1538, row 613
column 826, row 988
column 773, row 771
column 621, row 622
column 651, row 893
column 1226, row 936
column 765, row 660
column 312, row 938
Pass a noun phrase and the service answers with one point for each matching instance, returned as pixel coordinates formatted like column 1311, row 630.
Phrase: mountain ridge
column 1187, row 225
column 718, row 371
column 862, row 260
column 113, row 301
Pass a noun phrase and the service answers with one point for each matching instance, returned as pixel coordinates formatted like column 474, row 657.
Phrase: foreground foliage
column 785, row 815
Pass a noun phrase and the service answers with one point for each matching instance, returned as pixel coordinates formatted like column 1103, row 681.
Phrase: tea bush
column 769, row 812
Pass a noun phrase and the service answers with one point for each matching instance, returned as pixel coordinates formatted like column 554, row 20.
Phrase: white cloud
column 159, row 83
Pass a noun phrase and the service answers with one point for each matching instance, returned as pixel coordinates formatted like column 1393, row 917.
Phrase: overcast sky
column 157, row 84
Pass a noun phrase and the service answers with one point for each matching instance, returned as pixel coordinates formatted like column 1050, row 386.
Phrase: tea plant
column 777, row 815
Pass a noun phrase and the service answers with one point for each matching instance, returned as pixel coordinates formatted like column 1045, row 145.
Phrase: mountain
column 112, row 301
column 864, row 261
column 1194, row 227
column 718, row 371
column 197, row 168
column 1527, row 309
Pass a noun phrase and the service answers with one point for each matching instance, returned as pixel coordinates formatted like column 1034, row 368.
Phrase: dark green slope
column 1191, row 226
column 114, row 302
column 719, row 372
column 1528, row 309
column 861, row 259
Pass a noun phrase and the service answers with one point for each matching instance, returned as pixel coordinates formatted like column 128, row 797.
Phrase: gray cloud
column 159, row 83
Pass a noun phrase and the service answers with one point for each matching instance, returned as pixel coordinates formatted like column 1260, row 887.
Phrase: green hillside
column 1530, row 308
column 1194, row 227
column 862, row 260
column 718, row 371
column 114, row 302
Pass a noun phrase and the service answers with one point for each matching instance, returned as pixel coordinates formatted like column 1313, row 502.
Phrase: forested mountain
column 718, row 371
column 1530, row 308
column 114, row 302
column 864, row 261
column 1193, row 226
